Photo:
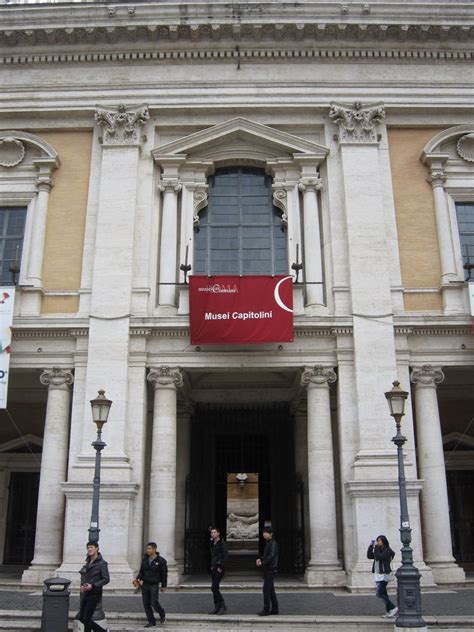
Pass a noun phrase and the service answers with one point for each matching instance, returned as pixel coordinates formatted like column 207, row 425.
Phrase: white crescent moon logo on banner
column 276, row 294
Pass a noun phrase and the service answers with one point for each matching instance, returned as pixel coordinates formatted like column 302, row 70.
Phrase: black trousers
column 150, row 594
column 88, row 605
column 270, row 601
column 216, row 593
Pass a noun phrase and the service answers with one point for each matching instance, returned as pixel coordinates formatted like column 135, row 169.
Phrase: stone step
column 29, row 621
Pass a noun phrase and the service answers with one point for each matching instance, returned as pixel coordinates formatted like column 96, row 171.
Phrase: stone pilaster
column 170, row 189
column 162, row 506
column 434, row 496
column 324, row 567
column 50, row 516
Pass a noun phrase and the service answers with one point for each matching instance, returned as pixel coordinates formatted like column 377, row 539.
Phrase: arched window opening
column 240, row 231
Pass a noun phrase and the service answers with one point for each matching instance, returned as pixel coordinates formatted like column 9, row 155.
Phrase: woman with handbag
column 379, row 550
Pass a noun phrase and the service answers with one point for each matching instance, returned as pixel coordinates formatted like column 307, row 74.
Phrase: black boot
column 222, row 608
column 216, row 608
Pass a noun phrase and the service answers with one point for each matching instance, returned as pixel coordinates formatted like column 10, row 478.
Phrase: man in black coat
column 219, row 554
column 269, row 563
column 94, row 575
column 153, row 571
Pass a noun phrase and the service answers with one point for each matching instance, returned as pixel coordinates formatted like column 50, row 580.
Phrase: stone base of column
column 360, row 579
column 37, row 573
column 173, row 574
column 453, row 297
column 447, row 573
column 325, row 575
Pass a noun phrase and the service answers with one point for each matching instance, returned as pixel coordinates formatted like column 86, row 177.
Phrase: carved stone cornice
column 170, row 185
column 56, row 378
column 308, row 184
column 427, row 375
column 318, row 376
column 122, row 126
column 357, row 123
column 165, row 376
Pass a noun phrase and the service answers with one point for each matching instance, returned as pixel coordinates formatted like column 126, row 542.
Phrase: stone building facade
column 118, row 123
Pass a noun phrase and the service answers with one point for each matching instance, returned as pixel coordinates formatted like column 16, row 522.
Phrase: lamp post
column 100, row 412
column 408, row 576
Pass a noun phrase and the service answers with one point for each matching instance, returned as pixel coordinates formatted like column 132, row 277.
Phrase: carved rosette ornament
column 465, row 147
column 122, row 126
column 56, row 378
column 12, row 152
column 357, row 123
column 318, row 376
column 280, row 200
column 200, row 199
column 165, row 376
column 427, row 375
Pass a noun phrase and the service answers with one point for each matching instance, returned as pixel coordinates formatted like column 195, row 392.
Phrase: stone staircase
column 30, row 621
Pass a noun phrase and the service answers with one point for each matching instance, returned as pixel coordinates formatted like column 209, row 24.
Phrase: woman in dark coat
column 379, row 550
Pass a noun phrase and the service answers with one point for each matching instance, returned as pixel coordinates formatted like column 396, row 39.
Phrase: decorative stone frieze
column 318, row 376
column 122, row 126
column 465, row 147
column 56, row 378
column 427, row 375
column 357, row 123
column 165, row 376
column 12, row 152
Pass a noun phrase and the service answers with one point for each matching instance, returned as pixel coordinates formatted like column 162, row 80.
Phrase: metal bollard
column 55, row 614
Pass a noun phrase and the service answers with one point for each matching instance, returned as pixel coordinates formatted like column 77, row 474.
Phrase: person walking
column 94, row 576
column 153, row 572
column 269, row 563
column 379, row 550
column 219, row 555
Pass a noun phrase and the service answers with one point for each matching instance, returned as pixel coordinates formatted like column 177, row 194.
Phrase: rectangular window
column 12, row 229
column 465, row 215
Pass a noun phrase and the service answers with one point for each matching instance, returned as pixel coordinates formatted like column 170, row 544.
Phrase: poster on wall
column 7, row 299
column 241, row 309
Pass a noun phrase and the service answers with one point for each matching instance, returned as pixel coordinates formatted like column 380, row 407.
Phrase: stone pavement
column 456, row 602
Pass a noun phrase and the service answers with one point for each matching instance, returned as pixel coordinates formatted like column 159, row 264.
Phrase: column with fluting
column 50, row 516
column 434, row 496
column 162, row 506
column 324, row 567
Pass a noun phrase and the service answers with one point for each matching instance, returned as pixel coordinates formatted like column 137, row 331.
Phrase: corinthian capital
column 318, row 376
column 357, row 123
column 427, row 375
column 122, row 126
column 437, row 178
column 44, row 183
column 165, row 376
column 56, row 378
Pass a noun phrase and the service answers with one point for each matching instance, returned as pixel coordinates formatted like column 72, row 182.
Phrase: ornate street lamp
column 408, row 576
column 100, row 413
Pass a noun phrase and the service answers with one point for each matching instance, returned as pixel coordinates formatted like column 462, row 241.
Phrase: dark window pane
column 12, row 228
column 465, row 216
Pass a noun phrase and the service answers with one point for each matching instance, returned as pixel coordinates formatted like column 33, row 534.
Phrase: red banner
column 240, row 309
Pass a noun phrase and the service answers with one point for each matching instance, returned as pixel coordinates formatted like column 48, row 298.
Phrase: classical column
column 168, row 244
column 324, row 566
column 437, row 178
column 183, row 464
column 50, row 516
column 162, row 506
column 434, row 496
column 313, row 263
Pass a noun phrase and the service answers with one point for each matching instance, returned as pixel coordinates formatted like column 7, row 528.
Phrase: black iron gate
column 257, row 439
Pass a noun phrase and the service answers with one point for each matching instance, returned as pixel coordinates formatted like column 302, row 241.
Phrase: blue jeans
column 381, row 592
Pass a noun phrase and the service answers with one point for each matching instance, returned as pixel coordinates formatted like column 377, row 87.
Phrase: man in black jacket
column 219, row 554
column 94, row 575
column 153, row 571
column 269, row 563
